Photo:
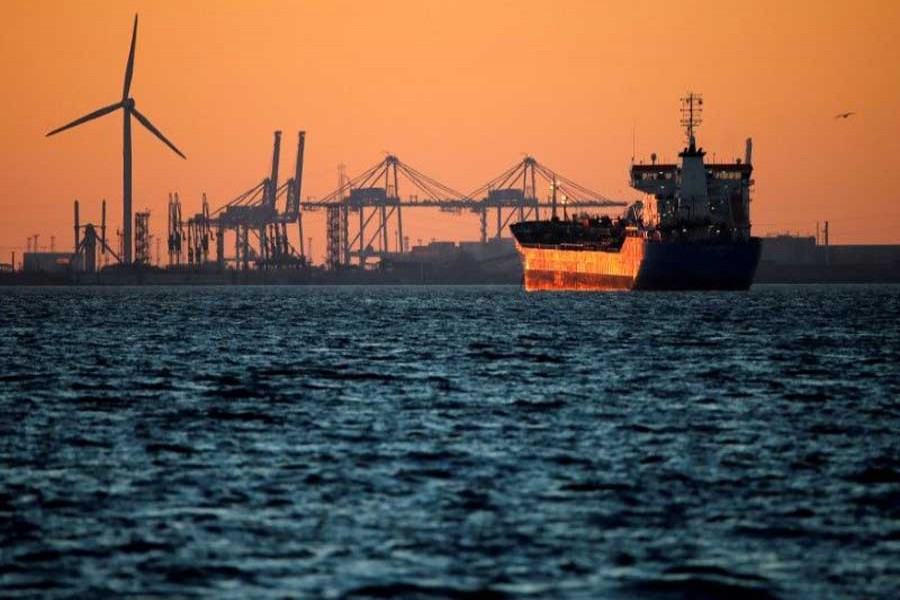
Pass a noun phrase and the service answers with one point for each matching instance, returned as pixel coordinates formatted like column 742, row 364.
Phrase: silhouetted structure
column 128, row 108
column 258, row 219
column 374, row 196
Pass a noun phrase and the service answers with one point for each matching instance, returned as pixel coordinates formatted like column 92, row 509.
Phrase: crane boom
column 273, row 179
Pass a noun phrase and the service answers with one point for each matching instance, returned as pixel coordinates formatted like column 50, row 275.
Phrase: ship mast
column 691, row 116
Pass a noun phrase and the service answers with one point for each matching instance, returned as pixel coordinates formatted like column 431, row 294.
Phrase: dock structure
column 364, row 215
column 257, row 220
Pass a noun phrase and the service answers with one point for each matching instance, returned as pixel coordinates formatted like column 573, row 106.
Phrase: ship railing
column 585, row 246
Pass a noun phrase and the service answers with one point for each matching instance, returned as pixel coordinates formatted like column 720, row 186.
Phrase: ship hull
column 642, row 264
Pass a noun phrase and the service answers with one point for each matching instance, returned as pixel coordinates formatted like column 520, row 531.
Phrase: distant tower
column 176, row 230
column 336, row 225
column 77, row 228
column 142, row 238
column 332, row 237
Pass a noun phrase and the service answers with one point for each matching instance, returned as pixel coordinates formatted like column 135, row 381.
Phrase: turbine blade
column 93, row 115
column 129, row 68
column 146, row 123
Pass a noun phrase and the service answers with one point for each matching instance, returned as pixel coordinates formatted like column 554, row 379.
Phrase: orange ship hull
column 554, row 268
column 641, row 264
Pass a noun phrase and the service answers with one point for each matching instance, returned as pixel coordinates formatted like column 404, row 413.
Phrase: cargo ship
column 695, row 235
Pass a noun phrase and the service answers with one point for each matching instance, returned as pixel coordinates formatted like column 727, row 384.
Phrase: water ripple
column 471, row 442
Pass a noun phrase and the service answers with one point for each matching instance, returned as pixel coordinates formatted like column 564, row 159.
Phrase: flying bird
column 844, row 115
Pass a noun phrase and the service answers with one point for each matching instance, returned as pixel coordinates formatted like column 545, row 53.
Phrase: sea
column 449, row 442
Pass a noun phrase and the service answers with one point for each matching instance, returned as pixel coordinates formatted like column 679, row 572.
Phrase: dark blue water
column 450, row 443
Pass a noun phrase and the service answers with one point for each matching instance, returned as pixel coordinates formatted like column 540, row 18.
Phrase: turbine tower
column 128, row 110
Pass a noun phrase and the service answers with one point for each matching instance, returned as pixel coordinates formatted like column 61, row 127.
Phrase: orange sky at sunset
column 459, row 90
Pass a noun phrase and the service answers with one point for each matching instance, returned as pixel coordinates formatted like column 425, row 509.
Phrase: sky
column 459, row 90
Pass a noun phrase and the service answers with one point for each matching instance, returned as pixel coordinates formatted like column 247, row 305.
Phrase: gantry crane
column 254, row 216
column 260, row 229
column 515, row 190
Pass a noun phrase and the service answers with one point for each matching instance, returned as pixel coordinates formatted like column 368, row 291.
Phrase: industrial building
column 799, row 259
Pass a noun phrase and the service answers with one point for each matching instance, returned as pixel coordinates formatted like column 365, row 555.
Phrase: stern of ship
column 699, row 265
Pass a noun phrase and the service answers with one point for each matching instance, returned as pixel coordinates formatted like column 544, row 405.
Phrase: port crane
column 516, row 191
column 374, row 197
column 258, row 219
column 364, row 215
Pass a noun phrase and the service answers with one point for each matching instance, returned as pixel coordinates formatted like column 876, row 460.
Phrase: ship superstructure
column 695, row 199
column 696, row 234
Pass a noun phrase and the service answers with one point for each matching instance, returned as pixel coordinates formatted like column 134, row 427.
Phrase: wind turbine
column 128, row 110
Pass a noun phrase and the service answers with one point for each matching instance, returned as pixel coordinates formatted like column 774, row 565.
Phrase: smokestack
column 77, row 228
column 748, row 153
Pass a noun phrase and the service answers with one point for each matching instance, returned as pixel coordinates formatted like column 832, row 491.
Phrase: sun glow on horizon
column 457, row 89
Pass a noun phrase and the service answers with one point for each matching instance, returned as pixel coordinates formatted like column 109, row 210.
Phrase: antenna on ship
column 633, row 139
column 691, row 116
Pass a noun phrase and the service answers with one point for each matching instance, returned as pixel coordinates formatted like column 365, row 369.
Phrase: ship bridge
column 661, row 180
column 656, row 179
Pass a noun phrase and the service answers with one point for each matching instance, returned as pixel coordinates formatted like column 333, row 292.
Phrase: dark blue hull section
column 698, row 265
